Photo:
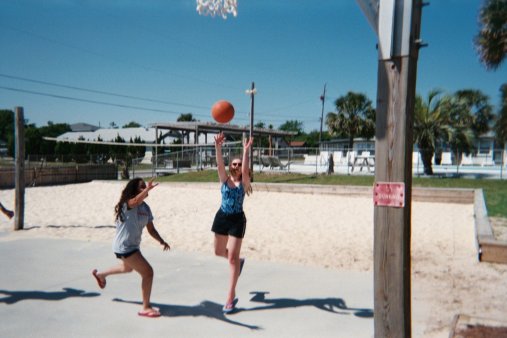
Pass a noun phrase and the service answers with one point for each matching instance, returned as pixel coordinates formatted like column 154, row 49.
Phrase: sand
column 333, row 232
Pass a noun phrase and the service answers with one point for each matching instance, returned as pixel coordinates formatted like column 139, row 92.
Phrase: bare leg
column 234, row 248
column 221, row 245
column 141, row 265
column 120, row 268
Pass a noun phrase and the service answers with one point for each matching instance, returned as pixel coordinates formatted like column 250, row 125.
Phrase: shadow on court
column 334, row 305
column 204, row 309
column 69, row 227
column 17, row 296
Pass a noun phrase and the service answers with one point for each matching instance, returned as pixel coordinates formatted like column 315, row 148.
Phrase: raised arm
column 222, row 174
column 139, row 198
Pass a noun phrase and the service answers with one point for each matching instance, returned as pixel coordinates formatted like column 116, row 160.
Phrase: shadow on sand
column 204, row 309
column 334, row 305
column 17, row 296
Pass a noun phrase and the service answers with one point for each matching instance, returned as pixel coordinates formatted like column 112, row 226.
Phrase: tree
column 431, row 121
column 470, row 115
column 475, row 108
column 132, row 124
column 51, row 130
column 260, row 124
column 7, row 129
column 501, row 122
column 312, row 138
column 292, row 125
column 188, row 117
column 491, row 41
column 33, row 139
column 354, row 117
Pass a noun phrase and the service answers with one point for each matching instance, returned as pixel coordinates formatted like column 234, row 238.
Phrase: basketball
column 222, row 111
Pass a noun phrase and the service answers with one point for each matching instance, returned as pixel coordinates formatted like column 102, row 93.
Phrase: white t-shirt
column 128, row 232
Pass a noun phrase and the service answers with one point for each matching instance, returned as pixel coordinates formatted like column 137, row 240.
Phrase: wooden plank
column 493, row 251
column 489, row 249
column 482, row 224
column 462, row 324
column 392, row 226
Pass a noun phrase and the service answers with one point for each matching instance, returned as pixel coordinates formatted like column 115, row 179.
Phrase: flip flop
column 231, row 307
column 102, row 284
column 149, row 314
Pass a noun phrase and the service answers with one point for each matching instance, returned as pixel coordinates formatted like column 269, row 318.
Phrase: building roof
column 80, row 127
column 146, row 134
column 209, row 127
column 297, row 143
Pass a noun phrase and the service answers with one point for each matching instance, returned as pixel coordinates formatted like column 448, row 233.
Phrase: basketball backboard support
column 391, row 21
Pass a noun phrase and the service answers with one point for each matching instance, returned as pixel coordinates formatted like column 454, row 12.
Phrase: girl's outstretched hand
column 150, row 184
column 219, row 139
column 247, row 143
column 166, row 246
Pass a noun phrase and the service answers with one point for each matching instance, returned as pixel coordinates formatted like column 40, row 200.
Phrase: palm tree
column 355, row 117
column 470, row 116
column 431, row 121
column 491, row 41
column 501, row 122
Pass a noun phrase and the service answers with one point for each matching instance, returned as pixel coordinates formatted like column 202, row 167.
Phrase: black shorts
column 229, row 224
column 125, row 255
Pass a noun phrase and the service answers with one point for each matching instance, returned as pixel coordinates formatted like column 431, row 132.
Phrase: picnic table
column 362, row 161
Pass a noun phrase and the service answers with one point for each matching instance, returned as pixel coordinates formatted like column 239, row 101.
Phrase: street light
column 252, row 91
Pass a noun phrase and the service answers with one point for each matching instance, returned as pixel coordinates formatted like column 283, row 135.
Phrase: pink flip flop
column 102, row 284
column 149, row 314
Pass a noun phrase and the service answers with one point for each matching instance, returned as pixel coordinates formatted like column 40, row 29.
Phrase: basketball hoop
column 217, row 7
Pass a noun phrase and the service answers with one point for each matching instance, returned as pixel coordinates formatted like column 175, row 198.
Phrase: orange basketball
column 222, row 111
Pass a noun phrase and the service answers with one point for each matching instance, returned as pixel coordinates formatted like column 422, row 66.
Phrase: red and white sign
column 389, row 194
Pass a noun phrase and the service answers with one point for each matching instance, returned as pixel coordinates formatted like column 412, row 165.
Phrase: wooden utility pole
column 397, row 24
column 20, row 169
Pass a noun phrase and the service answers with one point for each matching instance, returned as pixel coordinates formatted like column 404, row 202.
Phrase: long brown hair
column 247, row 186
column 130, row 191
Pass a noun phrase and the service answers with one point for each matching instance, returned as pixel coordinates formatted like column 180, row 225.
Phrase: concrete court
column 47, row 290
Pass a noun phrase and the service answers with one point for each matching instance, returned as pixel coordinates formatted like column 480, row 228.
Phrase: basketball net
column 217, row 7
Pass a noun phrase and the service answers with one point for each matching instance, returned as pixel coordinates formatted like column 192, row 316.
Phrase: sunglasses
column 236, row 164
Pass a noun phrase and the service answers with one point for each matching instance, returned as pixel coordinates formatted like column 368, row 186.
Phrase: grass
column 495, row 191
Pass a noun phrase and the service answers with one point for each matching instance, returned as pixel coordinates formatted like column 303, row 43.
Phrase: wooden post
column 20, row 169
column 393, row 163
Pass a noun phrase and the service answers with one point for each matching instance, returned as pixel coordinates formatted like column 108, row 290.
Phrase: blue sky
column 162, row 59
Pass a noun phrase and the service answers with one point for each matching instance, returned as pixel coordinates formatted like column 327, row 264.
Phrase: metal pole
column 252, row 94
column 323, row 99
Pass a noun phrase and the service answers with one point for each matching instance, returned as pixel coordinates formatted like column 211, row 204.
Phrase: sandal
column 101, row 283
column 150, row 314
column 230, row 307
